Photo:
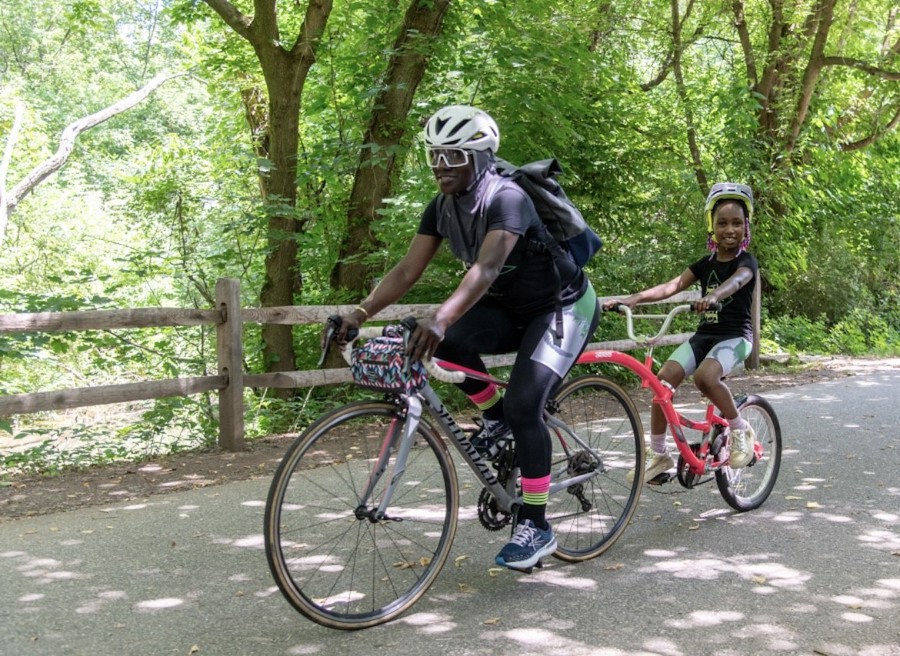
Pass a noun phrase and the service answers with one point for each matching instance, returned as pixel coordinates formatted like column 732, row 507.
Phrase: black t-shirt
column 532, row 277
column 735, row 319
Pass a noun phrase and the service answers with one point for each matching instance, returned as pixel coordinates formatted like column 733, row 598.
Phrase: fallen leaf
column 676, row 503
column 492, row 621
column 693, row 527
column 792, row 498
column 194, row 649
column 464, row 587
column 613, row 568
column 759, row 580
column 459, row 560
column 812, row 504
column 494, row 571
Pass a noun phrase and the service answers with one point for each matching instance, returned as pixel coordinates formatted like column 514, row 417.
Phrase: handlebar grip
column 715, row 307
column 443, row 375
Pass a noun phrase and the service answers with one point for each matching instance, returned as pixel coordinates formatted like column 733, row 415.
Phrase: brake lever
column 333, row 325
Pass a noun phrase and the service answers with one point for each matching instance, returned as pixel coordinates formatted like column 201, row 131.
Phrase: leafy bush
column 796, row 334
column 863, row 332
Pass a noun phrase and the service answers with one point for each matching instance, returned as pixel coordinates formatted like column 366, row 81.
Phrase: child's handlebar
column 333, row 324
column 667, row 319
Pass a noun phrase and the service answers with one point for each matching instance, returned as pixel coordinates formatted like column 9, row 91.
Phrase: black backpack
column 564, row 221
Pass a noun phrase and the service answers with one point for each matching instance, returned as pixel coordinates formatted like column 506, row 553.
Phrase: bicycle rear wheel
column 747, row 488
column 333, row 559
column 588, row 517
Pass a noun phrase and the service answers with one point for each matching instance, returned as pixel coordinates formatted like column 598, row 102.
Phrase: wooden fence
column 230, row 380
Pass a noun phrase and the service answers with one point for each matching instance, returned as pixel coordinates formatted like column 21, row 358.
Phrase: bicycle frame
column 662, row 396
column 401, row 442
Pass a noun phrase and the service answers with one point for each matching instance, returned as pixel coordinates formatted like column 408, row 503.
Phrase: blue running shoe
column 491, row 437
column 527, row 546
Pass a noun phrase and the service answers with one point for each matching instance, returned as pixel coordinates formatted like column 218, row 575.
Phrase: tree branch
column 848, row 146
column 740, row 23
column 67, row 141
column 232, row 17
column 863, row 66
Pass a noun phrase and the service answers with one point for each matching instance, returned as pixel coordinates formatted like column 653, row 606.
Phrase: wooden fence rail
column 230, row 380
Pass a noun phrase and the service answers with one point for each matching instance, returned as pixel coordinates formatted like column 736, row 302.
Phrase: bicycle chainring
column 686, row 477
column 489, row 513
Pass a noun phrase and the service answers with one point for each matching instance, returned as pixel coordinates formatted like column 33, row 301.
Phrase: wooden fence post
column 229, row 350
column 756, row 318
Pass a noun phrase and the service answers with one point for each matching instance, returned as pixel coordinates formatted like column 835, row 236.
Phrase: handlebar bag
column 381, row 364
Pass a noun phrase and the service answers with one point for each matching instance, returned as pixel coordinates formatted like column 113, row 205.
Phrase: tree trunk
column 285, row 71
column 374, row 173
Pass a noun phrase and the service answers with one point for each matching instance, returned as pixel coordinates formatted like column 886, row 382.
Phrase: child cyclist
column 724, row 338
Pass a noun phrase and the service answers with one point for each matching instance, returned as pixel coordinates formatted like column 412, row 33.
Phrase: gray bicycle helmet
column 728, row 191
column 462, row 126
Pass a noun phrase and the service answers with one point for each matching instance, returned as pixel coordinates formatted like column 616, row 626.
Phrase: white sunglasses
column 453, row 157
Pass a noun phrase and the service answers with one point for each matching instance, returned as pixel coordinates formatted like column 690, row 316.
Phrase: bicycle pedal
column 660, row 479
column 538, row 565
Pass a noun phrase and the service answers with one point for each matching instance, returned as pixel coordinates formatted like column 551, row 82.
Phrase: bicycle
column 363, row 508
column 743, row 489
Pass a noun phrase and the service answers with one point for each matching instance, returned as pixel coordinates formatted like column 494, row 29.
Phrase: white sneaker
column 655, row 465
column 741, row 452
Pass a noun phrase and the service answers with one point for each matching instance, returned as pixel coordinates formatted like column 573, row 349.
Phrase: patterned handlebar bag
column 381, row 365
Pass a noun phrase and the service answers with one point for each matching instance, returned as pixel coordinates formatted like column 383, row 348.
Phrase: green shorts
column 727, row 352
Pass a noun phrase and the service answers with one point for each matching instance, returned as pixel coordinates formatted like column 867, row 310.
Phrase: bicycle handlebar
column 621, row 308
column 409, row 324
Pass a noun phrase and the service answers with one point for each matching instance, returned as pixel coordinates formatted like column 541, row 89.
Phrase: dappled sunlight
column 134, row 506
column 549, row 643
column 776, row 638
column 45, row 570
column 95, row 605
column 756, row 569
column 159, row 604
column 825, row 398
column 838, row 519
column 256, row 541
column 705, row 618
column 890, row 518
column 881, row 539
column 429, row 623
column 563, row 577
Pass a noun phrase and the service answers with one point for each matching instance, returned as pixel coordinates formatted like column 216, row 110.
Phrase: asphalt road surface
column 816, row 570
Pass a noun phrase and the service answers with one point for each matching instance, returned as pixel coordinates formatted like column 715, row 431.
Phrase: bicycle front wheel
column 748, row 487
column 589, row 517
column 334, row 558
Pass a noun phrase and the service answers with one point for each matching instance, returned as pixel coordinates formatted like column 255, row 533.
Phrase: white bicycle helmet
column 462, row 126
column 728, row 190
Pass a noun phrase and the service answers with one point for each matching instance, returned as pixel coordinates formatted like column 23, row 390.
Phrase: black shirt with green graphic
column 734, row 320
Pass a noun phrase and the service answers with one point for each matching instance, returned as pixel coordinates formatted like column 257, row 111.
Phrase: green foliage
column 156, row 204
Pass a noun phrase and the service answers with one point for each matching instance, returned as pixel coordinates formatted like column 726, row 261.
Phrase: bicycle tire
column 335, row 565
column 605, row 417
column 747, row 488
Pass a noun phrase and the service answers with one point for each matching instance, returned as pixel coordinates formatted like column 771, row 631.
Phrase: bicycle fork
column 402, row 445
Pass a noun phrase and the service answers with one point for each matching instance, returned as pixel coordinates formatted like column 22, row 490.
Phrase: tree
column 386, row 131
column 285, row 63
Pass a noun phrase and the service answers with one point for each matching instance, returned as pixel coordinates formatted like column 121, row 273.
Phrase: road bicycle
column 706, row 455
column 362, row 510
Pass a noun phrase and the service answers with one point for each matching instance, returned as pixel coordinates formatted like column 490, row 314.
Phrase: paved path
column 816, row 570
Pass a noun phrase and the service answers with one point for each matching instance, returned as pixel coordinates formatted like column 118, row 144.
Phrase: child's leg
column 680, row 364
column 673, row 373
column 719, row 362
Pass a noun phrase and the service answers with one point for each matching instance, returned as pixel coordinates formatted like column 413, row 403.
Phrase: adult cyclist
column 517, row 294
